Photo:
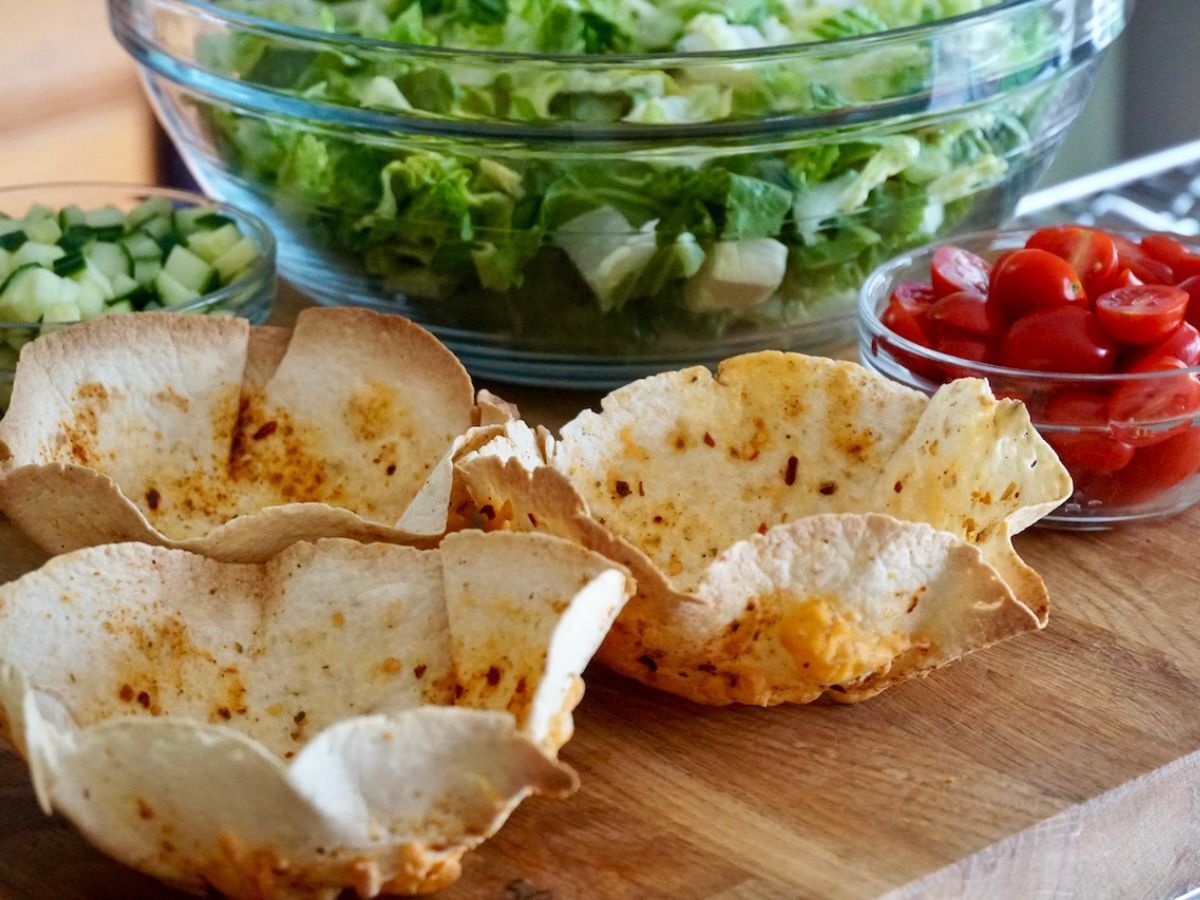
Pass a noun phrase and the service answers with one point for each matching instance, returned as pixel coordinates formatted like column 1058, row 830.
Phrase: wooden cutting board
column 1063, row 763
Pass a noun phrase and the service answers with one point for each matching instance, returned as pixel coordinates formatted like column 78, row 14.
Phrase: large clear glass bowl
column 457, row 200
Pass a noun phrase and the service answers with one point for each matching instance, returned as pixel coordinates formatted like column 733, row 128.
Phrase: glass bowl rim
column 259, row 274
column 879, row 283
column 261, row 24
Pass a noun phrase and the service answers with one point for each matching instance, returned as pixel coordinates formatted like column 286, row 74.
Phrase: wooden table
column 1063, row 763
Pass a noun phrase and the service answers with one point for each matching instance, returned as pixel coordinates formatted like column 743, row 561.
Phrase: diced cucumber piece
column 76, row 237
column 146, row 270
column 123, row 286
column 208, row 245
column 92, row 274
column 70, row 264
column 119, row 308
column 37, row 211
column 142, row 246
column 90, row 300
column 187, row 220
column 236, row 260
column 12, row 239
column 41, row 254
column 8, row 226
column 6, row 265
column 28, row 293
column 108, row 217
column 44, row 231
column 62, row 311
column 189, row 270
column 109, row 258
column 171, row 292
column 72, row 215
column 158, row 228
column 213, row 221
column 69, row 291
column 150, row 208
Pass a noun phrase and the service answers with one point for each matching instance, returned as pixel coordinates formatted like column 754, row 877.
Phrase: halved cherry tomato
column 954, row 269
column 1147, row 411
column 1152, row 471
column 1192, row 286
column 1141, row 315
column 1183, row 262
column 1134, row 258
column 1183, row 345
column 1165, row 249
column 968, row 347
column 1035, row 279
column 1092, row 254
column 972, row 313
column 1124, row 278
column 1059, row 339
column 1092, row 449
column 909, row 319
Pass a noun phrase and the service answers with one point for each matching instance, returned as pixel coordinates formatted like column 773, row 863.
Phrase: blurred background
column 72, row 108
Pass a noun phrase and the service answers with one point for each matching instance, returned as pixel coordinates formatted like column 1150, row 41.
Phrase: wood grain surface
column 1064, row 763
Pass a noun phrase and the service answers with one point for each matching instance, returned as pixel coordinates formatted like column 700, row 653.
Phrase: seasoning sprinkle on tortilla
column 341, row 716
column 209, row 435
column 797, row 526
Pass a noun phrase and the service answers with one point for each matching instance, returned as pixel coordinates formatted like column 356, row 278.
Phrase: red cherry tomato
column 972, row 313
column 1092, row 449
column 1183, row 345
column 954, row 269
column 1035, row 279
column 1059, row 339
column 1124, row 278
column 1092, row 254
column 996, row 266
column 1152, row 471
column 1170, row 252
column 1165, row 250
column 967, row 347
column 909, row 319
column 1145, row 412
column 1192, row 286
column 1141, row 315
column 1135, row 259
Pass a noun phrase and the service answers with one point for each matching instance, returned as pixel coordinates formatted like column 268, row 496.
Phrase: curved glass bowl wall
column 517, row 210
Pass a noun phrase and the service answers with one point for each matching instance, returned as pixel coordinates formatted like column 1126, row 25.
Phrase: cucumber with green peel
column 191, row 271
column 209, row 245
column 150, row 208
column 74, row 264
column 146, row 270
column 12, row 240
column 44, row 255
column 44, row 231
column 171, row 292
column 236, row 260
column 109, row 258
column 142, row 246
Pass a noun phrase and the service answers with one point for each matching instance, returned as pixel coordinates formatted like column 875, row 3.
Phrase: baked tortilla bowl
column 210, row 435
column 797, row 527
column 341, row 716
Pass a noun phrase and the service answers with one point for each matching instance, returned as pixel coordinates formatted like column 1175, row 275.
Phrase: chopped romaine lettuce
column 618, row 252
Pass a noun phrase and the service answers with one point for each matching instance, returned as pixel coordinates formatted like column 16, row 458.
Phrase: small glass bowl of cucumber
column 73, row 252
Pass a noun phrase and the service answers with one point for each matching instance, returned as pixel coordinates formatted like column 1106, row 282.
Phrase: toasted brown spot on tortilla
column 789, row 474
column 266, row 430
column 828, row 488
column 493, row 676
column 152, row 499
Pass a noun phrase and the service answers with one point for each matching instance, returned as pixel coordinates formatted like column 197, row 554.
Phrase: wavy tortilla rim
column 343, row 427
column 856, row 448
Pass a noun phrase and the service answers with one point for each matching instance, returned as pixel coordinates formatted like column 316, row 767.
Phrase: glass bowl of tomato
column 1097, row 332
